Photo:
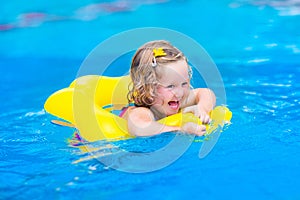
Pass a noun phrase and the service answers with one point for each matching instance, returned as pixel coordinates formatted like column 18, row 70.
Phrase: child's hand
column 198, row 112
column 193, row 128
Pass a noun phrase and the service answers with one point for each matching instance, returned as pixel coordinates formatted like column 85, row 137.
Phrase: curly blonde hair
column 144, row 71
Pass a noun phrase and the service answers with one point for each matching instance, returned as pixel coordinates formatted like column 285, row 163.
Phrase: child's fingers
column 193, row 128
column 192, row 109
column 201, row 130
column 204, row 118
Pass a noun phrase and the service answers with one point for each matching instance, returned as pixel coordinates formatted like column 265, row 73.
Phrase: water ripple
column 265, row 95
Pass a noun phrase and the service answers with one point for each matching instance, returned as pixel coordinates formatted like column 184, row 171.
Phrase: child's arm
column 141, row 122
column 200, row 102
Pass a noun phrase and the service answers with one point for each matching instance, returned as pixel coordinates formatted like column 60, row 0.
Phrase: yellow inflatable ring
column 82, row 104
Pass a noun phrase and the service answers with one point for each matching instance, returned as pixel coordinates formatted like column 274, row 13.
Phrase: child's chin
column 172, row 112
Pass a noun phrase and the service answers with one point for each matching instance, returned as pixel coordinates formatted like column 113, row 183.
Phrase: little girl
column 161, row 76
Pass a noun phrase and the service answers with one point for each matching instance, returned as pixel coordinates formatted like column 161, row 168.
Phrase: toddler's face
column 173, row 88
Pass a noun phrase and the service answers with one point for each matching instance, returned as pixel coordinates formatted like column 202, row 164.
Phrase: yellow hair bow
column 159, row 52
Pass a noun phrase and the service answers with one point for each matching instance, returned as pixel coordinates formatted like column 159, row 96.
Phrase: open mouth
column 174, row 104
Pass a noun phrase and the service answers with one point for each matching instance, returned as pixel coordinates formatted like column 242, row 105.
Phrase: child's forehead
column 179, row 67
column 174, row 71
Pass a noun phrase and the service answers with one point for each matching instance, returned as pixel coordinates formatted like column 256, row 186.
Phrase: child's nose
column 178, row 92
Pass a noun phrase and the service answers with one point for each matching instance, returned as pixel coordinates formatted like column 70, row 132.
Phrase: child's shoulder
column 138, row 112
column 139, row 109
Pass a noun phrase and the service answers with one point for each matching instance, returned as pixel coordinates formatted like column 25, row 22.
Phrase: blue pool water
column 256, row 46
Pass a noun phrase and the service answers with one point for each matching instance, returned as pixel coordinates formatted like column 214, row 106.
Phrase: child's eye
column 184, row 84
column 171, row 86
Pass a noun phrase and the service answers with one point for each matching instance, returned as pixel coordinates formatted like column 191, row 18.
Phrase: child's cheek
column 164, row 94
column 160, row 90
column 187, row 92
